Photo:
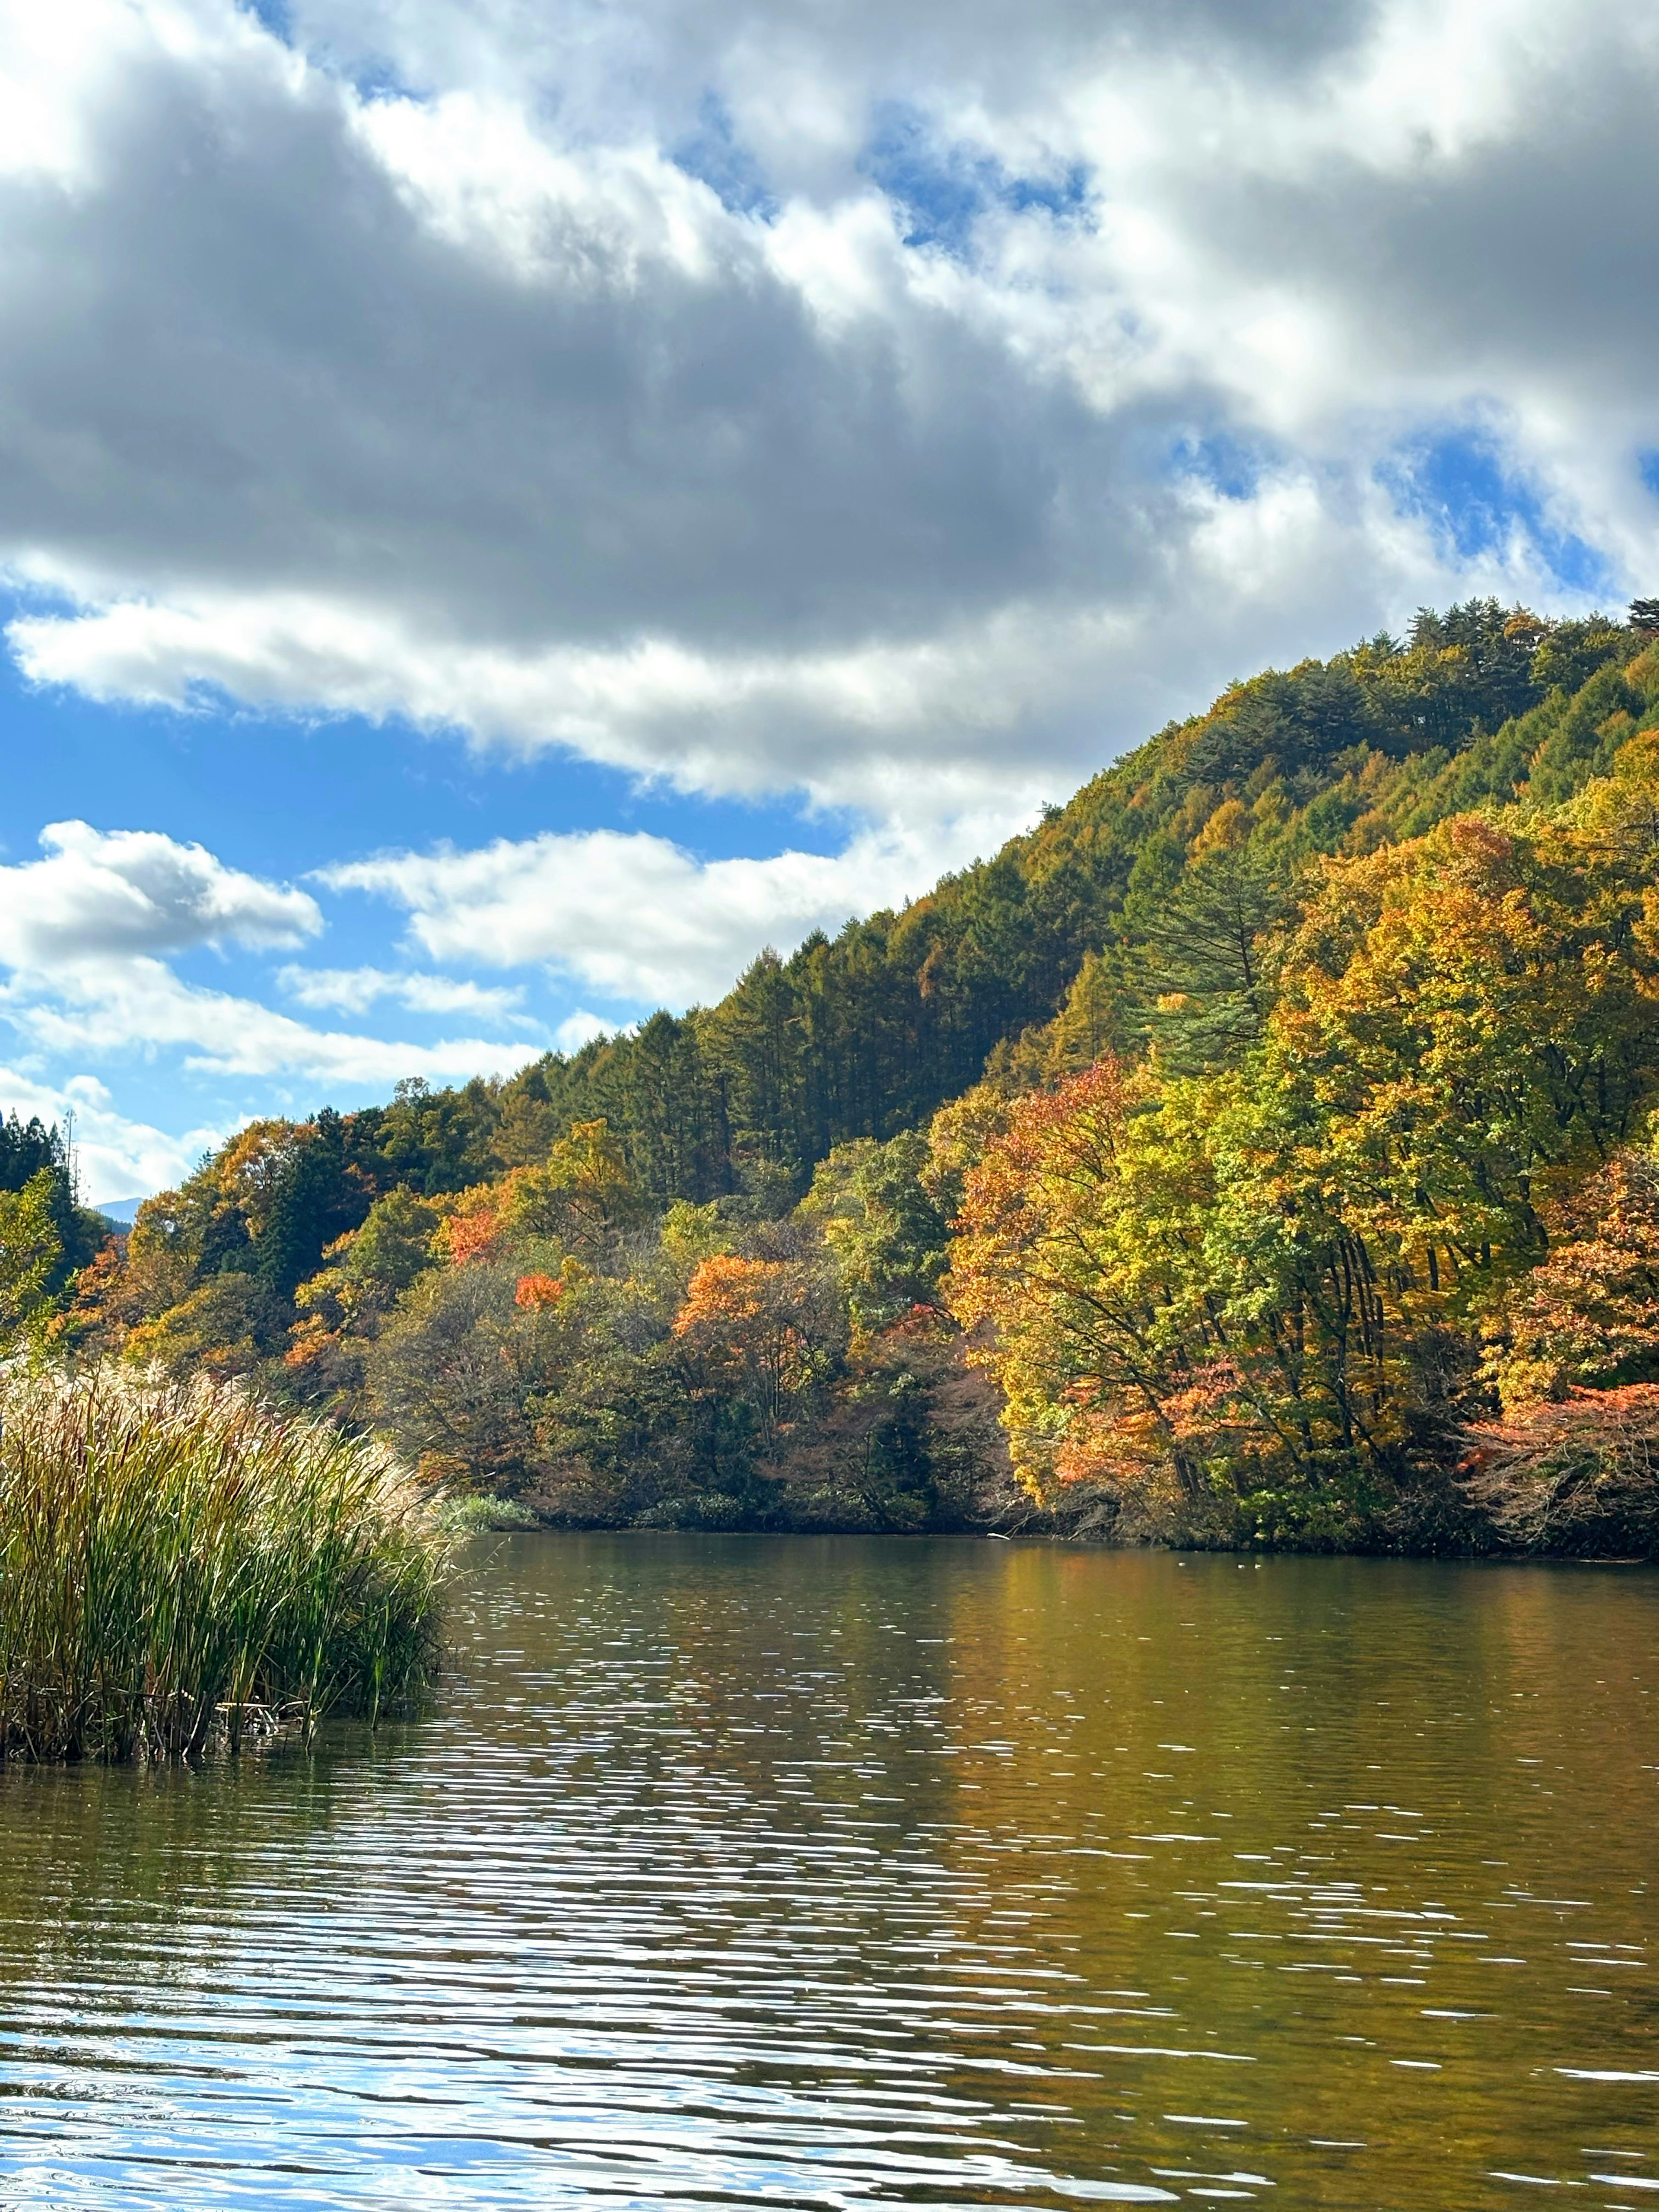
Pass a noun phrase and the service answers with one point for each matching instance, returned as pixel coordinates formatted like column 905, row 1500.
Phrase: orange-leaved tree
column 771, row 1329
column 577, row 1198
column 472, row 1226
column 1588, row 1316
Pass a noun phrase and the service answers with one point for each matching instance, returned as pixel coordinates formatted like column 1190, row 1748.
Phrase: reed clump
column 180, row 1565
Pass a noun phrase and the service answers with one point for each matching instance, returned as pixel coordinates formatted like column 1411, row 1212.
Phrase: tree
column 1077, row 1270
column 1587, row 1317
column 1265, row 1077
column 379, row 1262
column 313, row 1201
column 579, row 1197
column 453, row 1373
column 1469, row 1020
column 471, row 1227
column 28, row 1149
column 1267, row 1282
column 885, row 1232
column 31, row 1250
column 229, row 1326
column 770, row 1329
column 1209, row 969
column 344, row 1304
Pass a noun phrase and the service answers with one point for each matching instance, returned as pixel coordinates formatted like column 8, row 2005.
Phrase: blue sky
column 542, row 503
column 281, row 798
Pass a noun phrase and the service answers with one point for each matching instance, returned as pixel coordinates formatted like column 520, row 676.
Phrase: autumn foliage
column 1271, row 1288
column 1260, row 1149
column 1577, row 1474
column 768, row 1325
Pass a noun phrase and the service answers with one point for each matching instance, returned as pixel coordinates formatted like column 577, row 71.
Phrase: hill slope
column 1286, row 1092
column 868, row 1033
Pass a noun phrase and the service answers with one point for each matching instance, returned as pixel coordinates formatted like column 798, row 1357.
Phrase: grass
column 180, row 1565
column 477, row 1515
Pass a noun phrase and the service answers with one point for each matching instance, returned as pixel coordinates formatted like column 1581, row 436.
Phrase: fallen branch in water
column 1571, row 1474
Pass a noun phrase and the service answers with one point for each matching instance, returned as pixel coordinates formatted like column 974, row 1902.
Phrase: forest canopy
column 1259, row 1149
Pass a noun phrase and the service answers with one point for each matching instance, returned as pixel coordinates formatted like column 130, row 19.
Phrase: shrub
column 477, row 1516
column 1580, row 1475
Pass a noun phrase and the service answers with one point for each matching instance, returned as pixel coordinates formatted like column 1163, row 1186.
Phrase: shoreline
column 1058, row 1540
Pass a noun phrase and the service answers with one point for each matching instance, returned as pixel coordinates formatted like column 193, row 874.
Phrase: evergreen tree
column 1208, row 962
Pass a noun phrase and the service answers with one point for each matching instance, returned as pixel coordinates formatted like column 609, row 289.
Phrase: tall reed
column 176, row 1559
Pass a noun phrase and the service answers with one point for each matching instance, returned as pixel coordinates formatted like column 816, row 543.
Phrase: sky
column 508, row 508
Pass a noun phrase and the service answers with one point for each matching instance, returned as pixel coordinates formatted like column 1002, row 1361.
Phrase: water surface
column 791, row 1872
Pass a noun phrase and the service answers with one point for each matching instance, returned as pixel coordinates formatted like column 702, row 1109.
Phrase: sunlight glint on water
column 843, row 1872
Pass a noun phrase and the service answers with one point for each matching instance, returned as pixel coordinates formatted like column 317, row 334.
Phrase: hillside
column 869, row 1033
column 719, row 1270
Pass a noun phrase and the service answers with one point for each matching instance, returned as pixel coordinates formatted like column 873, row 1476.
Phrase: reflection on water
column 792, row 1872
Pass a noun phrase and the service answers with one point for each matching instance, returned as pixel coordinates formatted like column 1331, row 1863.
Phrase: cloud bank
column 792, row 402
column 126, row 893
column 84, row 935
column 637, row 917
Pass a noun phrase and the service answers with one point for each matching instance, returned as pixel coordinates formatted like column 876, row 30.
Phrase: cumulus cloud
column 900, row 407
column 904, row 407
column 85, row 931
column 580, row 1028
column 108, row 1008
column 116, row 1157
column 125, row 892
column 636, row 917
column 996, row 713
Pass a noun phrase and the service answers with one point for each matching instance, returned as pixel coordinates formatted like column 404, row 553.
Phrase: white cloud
column 919, row 733
column 82, row 934
column 122, row 892
column 639, row 917
column 354, row 990
column 580, row 1028
column 104, row 1009
column 709, row 393
column 720, row 725
column 118, row 1158
column 522, row 430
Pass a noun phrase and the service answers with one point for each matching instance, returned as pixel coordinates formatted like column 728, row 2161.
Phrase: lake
column 846, row 1871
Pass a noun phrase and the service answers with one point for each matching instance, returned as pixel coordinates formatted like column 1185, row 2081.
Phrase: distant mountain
column 121, row 1211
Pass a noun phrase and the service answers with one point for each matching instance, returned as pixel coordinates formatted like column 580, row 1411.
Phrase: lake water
column 844, row 1872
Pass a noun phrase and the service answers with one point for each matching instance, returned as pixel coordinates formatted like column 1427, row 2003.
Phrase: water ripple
column 833, row 1874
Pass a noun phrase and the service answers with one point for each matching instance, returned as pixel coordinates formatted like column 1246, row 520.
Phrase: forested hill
column 1133, row 910
column 867, row 1034
column 1248, row 1153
